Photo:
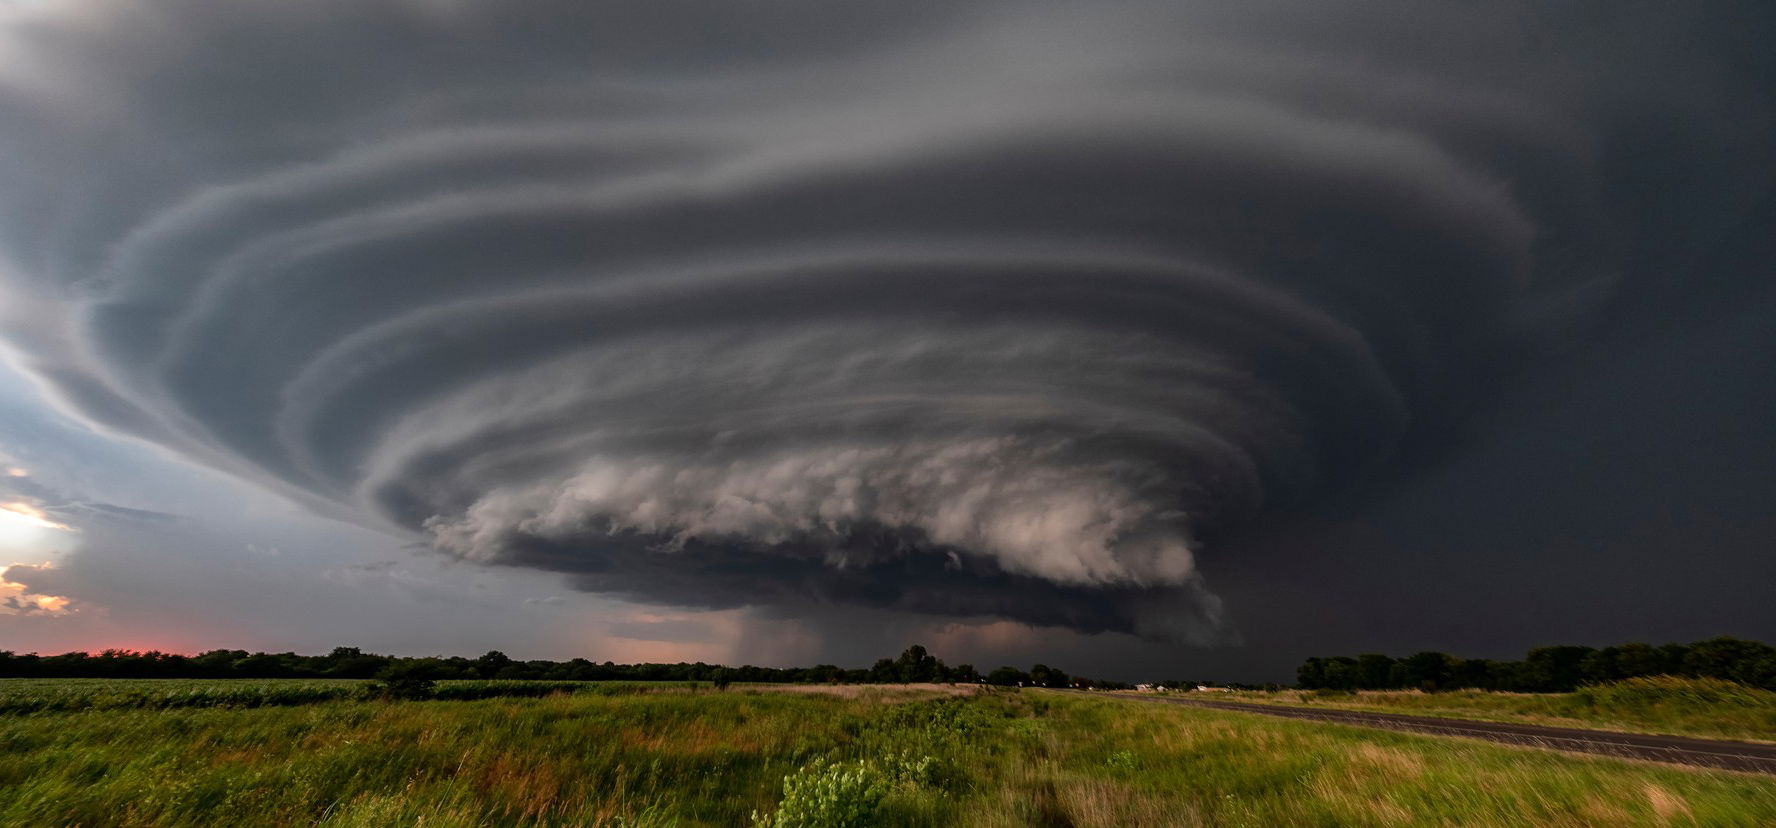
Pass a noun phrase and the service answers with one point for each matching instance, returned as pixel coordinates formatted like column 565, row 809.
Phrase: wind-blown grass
column 729, row 758
column 22, row 696
column 1700, row 707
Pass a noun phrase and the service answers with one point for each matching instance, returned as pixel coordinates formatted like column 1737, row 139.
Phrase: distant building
column 1203, row 688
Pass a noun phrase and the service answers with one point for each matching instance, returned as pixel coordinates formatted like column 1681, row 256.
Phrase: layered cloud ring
column 971, row 309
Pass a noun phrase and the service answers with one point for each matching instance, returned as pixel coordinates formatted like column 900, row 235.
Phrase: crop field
column 1700, row 707
column 636, row 755
column 69, row 695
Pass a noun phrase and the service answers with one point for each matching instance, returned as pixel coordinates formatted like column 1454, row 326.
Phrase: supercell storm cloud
column 971, row 309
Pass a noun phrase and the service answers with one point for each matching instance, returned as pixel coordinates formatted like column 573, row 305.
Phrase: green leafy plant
column 826, row 794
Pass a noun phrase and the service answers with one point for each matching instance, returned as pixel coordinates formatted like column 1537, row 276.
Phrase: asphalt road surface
column 1737, row 756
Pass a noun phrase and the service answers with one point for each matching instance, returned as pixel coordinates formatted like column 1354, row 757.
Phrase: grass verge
column 1668, row 705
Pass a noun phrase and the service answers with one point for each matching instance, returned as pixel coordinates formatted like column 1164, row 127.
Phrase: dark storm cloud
column 967, row 309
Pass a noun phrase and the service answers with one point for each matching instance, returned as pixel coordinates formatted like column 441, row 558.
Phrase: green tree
column 1601, row 666
column 491, row 663
column 1042, row 675
column 1471, row 672
column 1430, row 670
column 1638, row 659
column 1374, row 671
column 1734, row 659
column 1672, row 656
column 410, row 678
column 917, row 665
column 1341, row 673
column 1311, row 675
column 1008, row 677
column 1554, row 669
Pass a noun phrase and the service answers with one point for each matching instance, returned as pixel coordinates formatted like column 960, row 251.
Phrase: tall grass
column 1669, row 702
column 1672, row 705
column 692, row 758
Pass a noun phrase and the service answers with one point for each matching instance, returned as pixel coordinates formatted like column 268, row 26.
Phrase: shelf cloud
column 966, row 309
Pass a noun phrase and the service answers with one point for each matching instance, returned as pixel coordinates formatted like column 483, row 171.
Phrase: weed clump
column 1123, row 762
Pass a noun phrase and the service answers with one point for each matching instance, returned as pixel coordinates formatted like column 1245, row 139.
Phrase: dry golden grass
column 1390, row 760
column 1095, row 803
column 1666, row 805
column 876, row 692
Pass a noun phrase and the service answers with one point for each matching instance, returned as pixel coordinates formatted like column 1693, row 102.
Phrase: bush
column 829, row 795
column 500, row 688
column 411, row 679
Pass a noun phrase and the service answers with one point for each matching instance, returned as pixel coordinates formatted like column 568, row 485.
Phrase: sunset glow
column 29, row 515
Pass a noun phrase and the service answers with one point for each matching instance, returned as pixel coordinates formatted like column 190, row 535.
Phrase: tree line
column 1556, row 669
column 915, row 664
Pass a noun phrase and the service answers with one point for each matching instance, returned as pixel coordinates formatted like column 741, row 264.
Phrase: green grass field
column 637, row 756
column 19, row 696
column 1704, row 708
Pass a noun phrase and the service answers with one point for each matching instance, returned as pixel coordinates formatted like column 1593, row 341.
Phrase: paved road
column 1738, row 756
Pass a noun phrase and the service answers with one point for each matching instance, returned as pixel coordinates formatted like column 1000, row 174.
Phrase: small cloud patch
column 20, row 596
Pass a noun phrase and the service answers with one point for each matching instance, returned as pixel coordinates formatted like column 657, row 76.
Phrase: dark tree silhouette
column 1546, row 669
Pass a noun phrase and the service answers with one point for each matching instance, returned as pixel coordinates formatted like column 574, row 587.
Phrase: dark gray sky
column 1151, row 339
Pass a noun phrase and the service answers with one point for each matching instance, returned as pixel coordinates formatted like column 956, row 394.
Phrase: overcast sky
column 1151, row 339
